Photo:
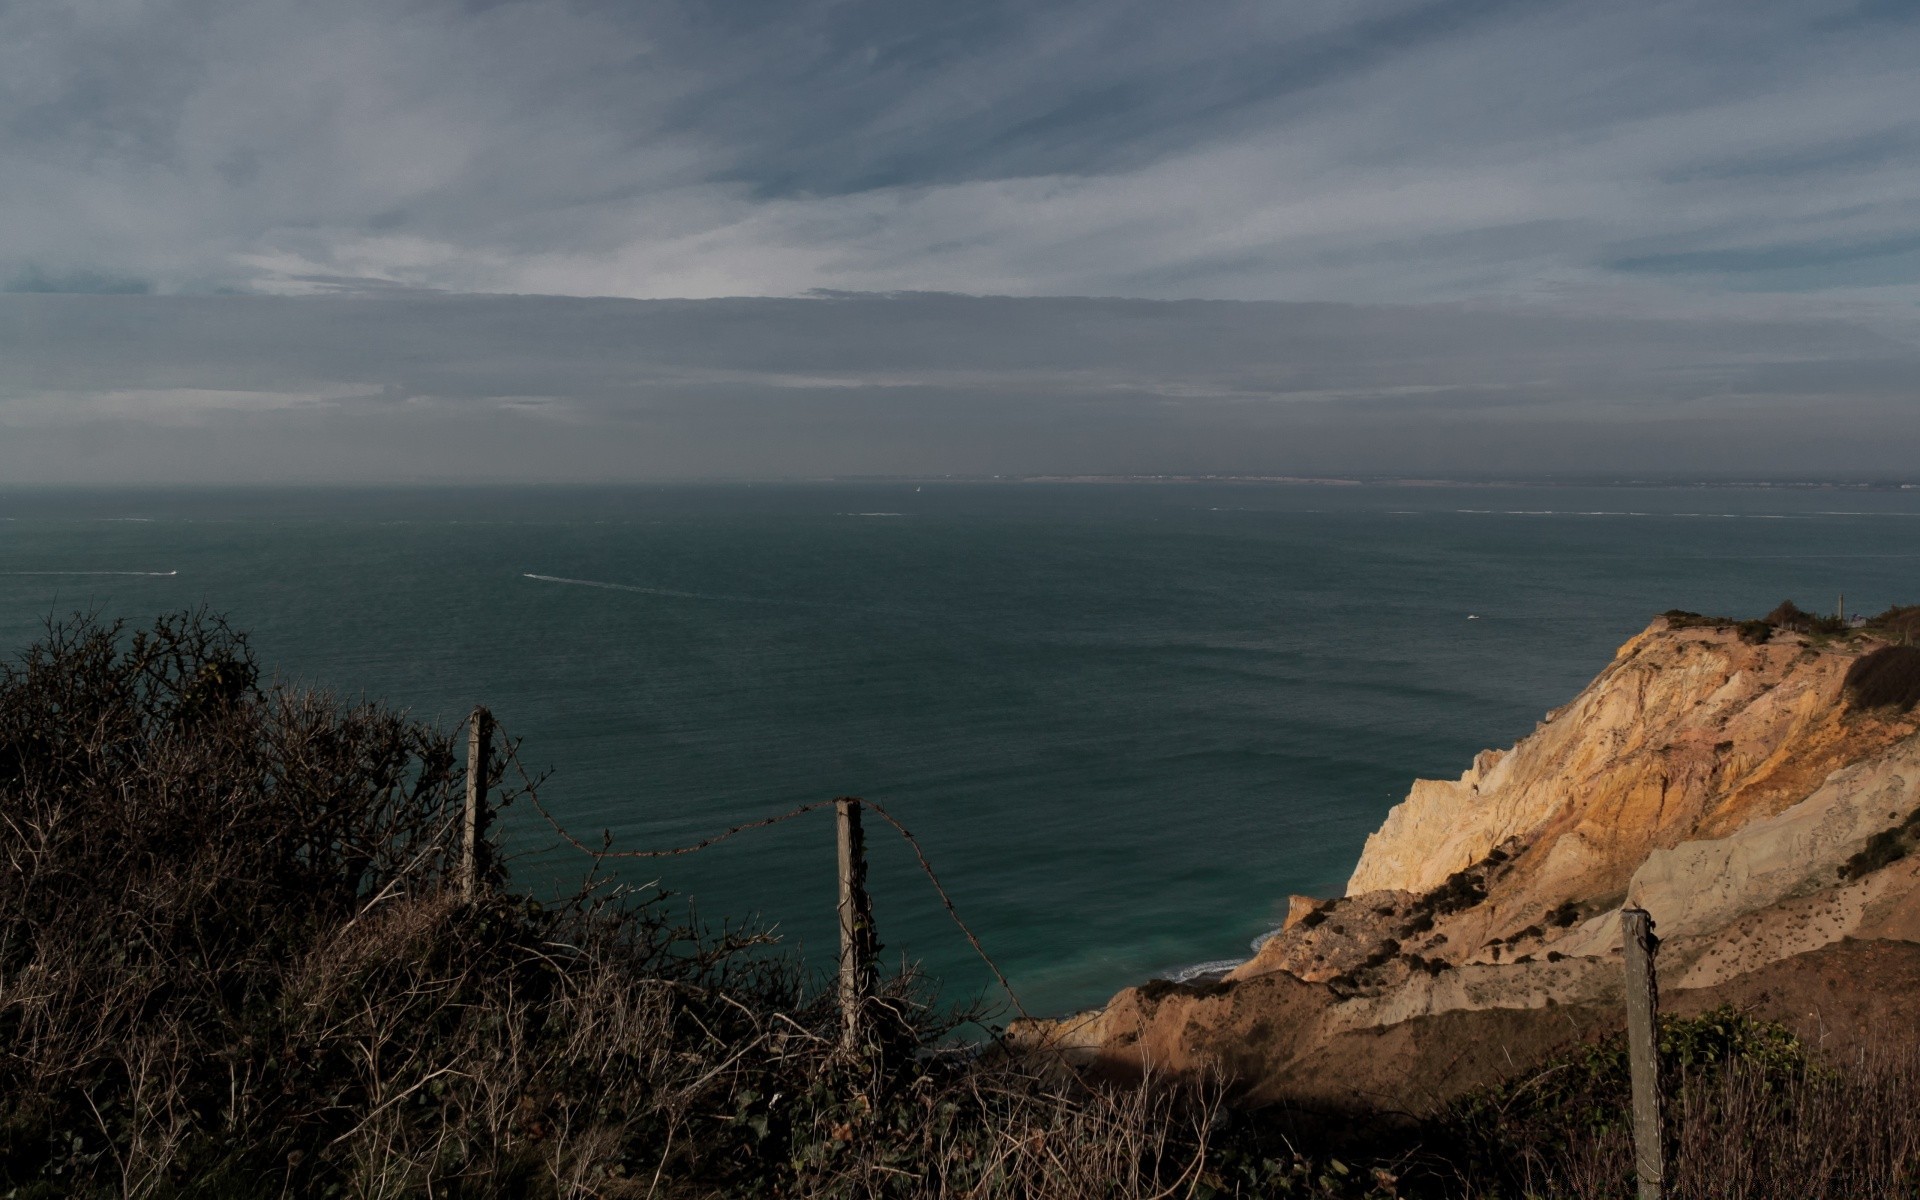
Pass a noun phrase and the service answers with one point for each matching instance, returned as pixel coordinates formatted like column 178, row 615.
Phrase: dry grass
column 1741, row 1135
column 1750, row 1116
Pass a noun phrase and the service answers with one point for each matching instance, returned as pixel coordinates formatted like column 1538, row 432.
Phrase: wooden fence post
column 1643, row 1050
column 857, row 944
column 474, row 821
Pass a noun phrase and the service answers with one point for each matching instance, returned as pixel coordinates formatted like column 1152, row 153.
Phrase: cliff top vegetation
column 1898, row 624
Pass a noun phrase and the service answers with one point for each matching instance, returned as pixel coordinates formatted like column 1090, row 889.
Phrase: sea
column 1124, row 721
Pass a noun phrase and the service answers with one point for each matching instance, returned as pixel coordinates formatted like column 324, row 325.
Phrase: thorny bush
column 233, row 962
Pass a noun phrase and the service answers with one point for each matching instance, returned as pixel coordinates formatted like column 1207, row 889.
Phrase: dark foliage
column 1750, row 1113
column 1900, row 624
column 1884, row 848
column 1462, row 889
column 1680, row 618
column 1885, row 678
column 1588, row 1088
column 1788, row 615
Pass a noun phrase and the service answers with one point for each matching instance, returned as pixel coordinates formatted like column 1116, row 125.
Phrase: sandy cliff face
column 1726, row 786
column 1687, row 733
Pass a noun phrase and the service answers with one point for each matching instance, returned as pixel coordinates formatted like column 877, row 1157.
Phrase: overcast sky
column 242, row 238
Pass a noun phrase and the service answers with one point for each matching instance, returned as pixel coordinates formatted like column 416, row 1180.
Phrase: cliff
column 1724, row 777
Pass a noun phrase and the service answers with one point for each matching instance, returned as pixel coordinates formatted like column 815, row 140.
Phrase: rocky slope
column 1723, row 776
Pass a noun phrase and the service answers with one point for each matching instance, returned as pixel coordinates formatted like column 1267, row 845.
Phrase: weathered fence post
column 474, row 820
column 856, row 926
column 1643, row 1050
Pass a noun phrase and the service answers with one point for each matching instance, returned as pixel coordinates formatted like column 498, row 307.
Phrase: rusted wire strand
column 605, row 852
column 947, row 900
column 529, row 787
column 722, row 836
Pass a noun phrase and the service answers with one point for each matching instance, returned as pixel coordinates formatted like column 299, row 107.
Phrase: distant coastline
column 294, row 485
column 1421, row 482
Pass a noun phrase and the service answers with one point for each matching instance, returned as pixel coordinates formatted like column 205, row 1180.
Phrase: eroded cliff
column 1722, row 776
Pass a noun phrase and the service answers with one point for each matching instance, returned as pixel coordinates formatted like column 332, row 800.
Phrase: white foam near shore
column 1260, row 942
column 1200, row 972
column 1220, row 966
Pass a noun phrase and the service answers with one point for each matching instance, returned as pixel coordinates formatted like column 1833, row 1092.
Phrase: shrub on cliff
column 1756, row 632
column 1885, row 678
column 1748, row 1107
column 1900, row 623
column 1680, row 618
column 1538, row 1128
column 1788, row 615
column 1588, row 1087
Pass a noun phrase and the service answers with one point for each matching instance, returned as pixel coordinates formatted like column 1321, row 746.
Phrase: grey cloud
column 33, row 279
column 438, row 388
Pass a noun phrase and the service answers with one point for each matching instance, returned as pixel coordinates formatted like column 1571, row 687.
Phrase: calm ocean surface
column 1125, row 720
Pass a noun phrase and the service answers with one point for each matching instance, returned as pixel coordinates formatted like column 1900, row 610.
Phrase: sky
column 405, row 240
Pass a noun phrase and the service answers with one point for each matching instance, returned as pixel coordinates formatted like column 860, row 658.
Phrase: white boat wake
column 651, row 591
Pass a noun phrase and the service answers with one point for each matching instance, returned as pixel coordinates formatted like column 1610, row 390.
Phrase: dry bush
column 1900, row 623
column 1740, row 1134
column 1885, row 678
column 1788, row 615
column 1826, row 1135
column 1750, row 1116
column 232, row 963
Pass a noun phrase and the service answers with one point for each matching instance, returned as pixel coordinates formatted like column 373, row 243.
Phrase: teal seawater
column 1125, row 720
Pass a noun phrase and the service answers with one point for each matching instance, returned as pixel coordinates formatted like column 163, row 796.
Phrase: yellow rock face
column 1688, row 734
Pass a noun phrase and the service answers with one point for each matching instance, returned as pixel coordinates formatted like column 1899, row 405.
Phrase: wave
column 1205, row 970
column 874, row 514
column 1220, row 966
column 154, row 574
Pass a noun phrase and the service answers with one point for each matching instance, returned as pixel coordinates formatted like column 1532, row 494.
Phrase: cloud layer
column 426, row 388
column 1361, row 150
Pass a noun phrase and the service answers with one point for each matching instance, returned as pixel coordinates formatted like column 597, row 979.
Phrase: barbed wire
column 947, row 900
column 607, row 852
column 530, row 790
